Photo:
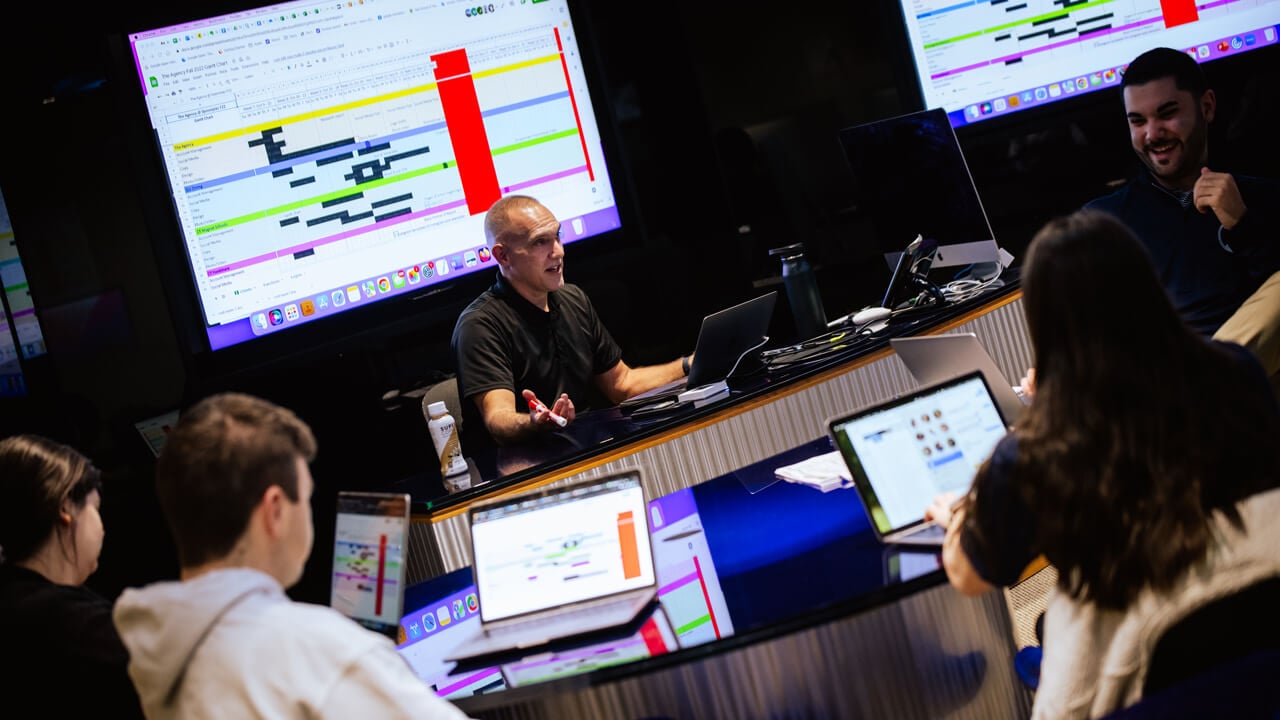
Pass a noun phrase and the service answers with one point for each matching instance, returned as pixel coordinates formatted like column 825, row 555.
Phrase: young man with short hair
column 224, row 640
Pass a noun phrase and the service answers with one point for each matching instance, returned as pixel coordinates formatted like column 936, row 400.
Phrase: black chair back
column 1229, row 628
column 1242, row 689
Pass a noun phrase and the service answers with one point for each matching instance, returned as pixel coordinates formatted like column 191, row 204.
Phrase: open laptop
column 558, row 563
column 370, row 549
column 904, row 452
column 934, row 358
column 724, row 338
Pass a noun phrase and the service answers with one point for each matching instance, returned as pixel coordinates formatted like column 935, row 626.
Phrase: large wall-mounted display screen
column 20, row 334
column 982, row 59
column 323, row 157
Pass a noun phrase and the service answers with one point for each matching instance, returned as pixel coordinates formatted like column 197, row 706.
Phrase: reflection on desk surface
column 729, row 562
column 434, row 630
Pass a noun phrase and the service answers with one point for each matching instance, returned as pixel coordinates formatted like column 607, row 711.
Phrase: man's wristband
column 684, row 365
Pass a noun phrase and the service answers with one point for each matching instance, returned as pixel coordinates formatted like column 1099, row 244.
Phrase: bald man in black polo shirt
column 533, row 339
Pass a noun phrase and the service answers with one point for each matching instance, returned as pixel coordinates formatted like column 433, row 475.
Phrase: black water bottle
column 802, row 291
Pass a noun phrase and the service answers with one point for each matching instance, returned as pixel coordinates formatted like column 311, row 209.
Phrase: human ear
column 1208, row 105
column 67, row 512
column 273, row 507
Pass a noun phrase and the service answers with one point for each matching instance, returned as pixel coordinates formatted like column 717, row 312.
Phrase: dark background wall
column 726, row 117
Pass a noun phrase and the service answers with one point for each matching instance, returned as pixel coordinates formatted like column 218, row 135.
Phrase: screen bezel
column 389, row 320
column 911, row 85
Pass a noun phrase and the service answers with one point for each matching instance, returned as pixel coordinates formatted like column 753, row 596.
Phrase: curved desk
column 767, row 413
column 776, row 601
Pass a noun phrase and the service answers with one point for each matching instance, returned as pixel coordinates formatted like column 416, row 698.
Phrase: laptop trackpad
column 928, row 535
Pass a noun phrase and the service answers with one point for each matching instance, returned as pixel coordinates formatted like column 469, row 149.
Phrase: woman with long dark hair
column 1144, row 470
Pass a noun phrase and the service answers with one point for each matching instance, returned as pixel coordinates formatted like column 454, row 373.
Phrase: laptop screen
column 561, row 546
column 371, row 538
column 905, row 452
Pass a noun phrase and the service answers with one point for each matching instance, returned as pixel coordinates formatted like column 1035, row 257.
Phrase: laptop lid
column 933, row 358
column 555, row 548
column 904, row 452
column 724, row 338
column 726, row 335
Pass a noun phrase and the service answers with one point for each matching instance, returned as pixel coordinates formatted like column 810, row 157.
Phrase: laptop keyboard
column 931, row 531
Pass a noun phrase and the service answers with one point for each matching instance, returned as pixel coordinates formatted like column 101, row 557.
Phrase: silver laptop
column 933, row 358
column 905, row 452
column 559, row 563
column 724, row 339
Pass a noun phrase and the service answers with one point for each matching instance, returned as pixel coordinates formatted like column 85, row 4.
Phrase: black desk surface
column 600, row 431
column 740, row 558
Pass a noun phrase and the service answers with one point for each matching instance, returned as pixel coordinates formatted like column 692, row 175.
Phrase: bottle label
column 450, row 454
column 448, row 447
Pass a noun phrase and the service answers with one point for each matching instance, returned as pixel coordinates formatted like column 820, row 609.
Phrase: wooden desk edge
column 1036, row 566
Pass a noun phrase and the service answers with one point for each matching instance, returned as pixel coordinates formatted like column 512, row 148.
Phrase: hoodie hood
column 164, row 624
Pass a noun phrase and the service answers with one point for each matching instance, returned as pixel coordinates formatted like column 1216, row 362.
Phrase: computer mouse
column 869, row 315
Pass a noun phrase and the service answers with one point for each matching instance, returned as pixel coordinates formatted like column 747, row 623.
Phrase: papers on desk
column 826, row 472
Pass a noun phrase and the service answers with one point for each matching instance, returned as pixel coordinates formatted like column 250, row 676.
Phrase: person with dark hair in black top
column 59, row 644
column 1145, row 470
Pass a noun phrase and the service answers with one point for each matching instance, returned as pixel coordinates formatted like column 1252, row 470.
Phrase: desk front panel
column 933, row 654
column 777, row 601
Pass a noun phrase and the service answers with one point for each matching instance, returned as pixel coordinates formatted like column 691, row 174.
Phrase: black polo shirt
column 502, row 341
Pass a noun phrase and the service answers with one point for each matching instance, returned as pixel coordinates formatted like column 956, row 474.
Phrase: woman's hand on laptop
column 1027, row 388
column 940, row 510
column 947, row 510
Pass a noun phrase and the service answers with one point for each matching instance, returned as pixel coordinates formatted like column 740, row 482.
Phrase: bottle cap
column 437, row 408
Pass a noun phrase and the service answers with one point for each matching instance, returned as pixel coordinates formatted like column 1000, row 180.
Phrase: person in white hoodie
column 225, row 640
